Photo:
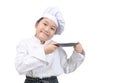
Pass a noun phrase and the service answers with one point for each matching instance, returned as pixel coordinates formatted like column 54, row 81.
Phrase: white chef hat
column 55, row 15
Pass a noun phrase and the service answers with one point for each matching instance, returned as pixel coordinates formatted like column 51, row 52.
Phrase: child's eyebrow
column 48, row 22
column 54, row 26
column 45, row 21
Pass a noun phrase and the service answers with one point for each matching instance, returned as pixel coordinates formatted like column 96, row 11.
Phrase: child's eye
column 45, row 24
column 53, row 29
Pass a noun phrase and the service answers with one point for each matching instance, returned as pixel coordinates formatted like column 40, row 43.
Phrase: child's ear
column 36, row 24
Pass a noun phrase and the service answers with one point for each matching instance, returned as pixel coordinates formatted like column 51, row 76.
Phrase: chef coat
column 32, row 61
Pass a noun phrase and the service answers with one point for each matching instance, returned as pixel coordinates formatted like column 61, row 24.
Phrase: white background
column 95, row 23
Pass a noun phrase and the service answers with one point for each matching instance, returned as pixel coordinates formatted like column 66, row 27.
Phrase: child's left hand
column 78, row 48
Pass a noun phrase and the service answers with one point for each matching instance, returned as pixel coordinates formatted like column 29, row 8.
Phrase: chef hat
column 55, row 15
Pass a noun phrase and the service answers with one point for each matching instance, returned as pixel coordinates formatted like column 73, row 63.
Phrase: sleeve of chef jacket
column 72, row 63
column 26, row 61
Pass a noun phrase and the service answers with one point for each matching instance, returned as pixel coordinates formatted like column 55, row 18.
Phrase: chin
column 43, row 38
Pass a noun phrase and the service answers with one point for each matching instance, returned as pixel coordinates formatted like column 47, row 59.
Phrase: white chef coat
column 32, row 61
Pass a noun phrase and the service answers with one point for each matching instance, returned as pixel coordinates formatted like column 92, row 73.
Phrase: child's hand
column 50, row 48
column 78, row 48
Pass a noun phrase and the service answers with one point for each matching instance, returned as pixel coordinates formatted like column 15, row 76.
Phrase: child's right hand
column 50, row 48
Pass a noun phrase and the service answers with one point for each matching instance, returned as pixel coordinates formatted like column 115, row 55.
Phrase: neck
column 41, row 41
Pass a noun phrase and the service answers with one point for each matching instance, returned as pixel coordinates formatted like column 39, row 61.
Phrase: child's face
column 45, row 29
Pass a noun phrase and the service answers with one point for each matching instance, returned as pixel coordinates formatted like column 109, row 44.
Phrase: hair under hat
column 55, row 15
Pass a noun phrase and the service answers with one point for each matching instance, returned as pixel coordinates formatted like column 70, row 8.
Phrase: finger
column 53, row 43
column 76, row 44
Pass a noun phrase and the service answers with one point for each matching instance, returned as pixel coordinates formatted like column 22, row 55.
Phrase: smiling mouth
column 45, row 33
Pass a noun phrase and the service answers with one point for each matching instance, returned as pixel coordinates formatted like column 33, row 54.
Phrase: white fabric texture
column 32, row 61
column 55, row 15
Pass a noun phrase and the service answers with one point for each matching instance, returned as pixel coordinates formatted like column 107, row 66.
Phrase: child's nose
column 47, row 29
